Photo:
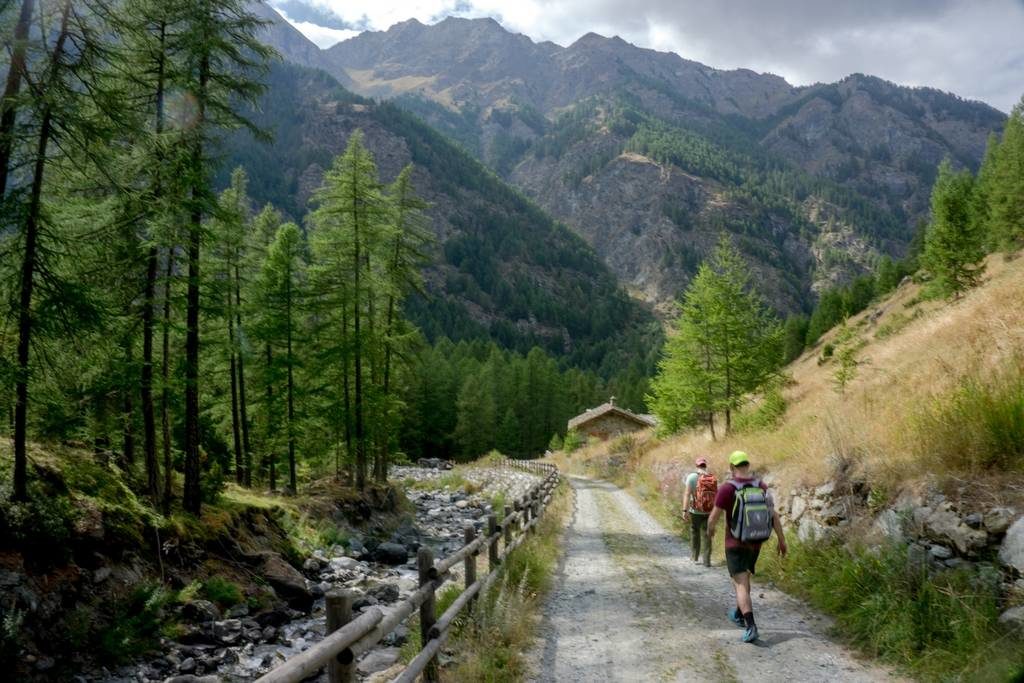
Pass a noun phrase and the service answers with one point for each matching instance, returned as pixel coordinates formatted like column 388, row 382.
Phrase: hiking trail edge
column 630, row 605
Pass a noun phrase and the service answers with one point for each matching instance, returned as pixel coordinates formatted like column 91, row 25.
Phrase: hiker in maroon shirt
column 741, row 556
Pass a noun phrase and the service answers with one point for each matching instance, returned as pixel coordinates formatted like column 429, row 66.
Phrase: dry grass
column 931, row 348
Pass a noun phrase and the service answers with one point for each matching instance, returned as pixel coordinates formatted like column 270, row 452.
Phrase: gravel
column 629, row 604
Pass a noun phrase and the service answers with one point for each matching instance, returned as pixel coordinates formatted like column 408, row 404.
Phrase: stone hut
column 608, row 420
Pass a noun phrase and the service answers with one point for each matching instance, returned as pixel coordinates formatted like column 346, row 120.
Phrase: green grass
column 940, row 627
column 979, row 425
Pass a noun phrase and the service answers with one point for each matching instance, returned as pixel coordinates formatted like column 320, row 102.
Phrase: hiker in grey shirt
column 698, row 501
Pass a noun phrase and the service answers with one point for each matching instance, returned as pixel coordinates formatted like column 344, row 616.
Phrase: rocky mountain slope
column 821, row 179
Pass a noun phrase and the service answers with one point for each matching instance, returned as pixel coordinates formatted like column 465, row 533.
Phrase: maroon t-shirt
column 724, row 499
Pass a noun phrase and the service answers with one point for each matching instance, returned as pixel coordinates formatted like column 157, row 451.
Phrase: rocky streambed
column 236, row 645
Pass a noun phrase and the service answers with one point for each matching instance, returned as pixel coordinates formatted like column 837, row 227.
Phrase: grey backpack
column 751, row 512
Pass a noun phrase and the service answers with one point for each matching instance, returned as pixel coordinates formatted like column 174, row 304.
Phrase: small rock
column 363, row 602
column 397, row 637
column 101, row 575
column 311, row 565
column 974, row 520
column 825, row 490
column 890, row 524
column 998, row 520
column 940, row 552
column 187, row 666
column 462, row 504
column 956, row 563
column 1011, row 552
column 268, row 634
column 238, row 611
column 45, row 664
column 378, row 660
column 192, row 679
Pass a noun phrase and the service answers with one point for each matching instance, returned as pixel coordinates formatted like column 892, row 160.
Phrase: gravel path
column 630, row 605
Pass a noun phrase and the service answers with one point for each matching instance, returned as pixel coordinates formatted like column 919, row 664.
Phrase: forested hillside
column 500, row 268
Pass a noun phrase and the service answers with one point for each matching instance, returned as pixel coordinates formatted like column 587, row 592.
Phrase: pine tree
column 349, row 227
column 953, row 243
column 726, row 344
column 1002, row 178
column 221, row 55
column 281, row 287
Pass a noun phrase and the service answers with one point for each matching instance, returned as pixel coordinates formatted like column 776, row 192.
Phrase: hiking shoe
column 750, row 635
column 737, row 618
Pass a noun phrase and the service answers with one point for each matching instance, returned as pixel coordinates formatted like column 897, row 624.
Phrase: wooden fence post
column 425, row 563
column 525, row 504
column 508, row 526
column 341, row 669
column 533, row 510
column 492, row 544
column 468, row 536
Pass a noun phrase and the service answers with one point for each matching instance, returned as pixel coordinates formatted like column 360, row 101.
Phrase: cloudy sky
column 974, row 48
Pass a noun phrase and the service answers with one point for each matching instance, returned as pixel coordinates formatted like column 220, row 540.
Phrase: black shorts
column 740, row 560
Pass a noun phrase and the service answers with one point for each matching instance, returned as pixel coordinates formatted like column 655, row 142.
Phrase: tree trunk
column 128, row 415
column 191, row 499
column 14, row 76
column 28, row 268
column 235, row 431
column 165, row 373
column 242, row 411
column 149, row 313
column 357, row 263
column 291, row 399
column 271, row 457
column 345, row 390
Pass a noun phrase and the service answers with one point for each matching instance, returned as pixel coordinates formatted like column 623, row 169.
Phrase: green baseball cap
column 737, row 458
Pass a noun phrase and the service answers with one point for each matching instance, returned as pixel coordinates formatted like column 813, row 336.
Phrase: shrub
column 212, row 484
column 136, row 624
column 980, row 424
column 573, row 441
column 220, row 591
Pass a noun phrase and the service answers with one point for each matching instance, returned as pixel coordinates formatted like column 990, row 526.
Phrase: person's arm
column 777, row 523
column 686, row 495
column 716, row 512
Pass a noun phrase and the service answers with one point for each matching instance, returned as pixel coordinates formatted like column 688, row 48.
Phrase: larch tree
column 954, row 241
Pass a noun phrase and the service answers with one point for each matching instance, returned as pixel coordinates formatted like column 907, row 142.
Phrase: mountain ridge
column 853, row 161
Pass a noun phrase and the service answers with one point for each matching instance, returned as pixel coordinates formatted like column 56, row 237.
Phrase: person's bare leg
column 741, row 582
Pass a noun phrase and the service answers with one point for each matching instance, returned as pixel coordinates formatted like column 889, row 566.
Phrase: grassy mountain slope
column 502, row 268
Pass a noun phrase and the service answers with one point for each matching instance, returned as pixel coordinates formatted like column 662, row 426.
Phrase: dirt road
column 630, row 605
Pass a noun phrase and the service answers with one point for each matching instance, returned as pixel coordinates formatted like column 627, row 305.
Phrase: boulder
column 998, row 520
column 200, row 611
column 311, row 565
column 940, row 552
column 1011, row 552
column 797, row 507
column 810, row 530
column 890, row 524
column 391, row 553
column 286, row 581
column 944, row 524
column 238, row 611
column 974, row 520
column 385, row 592
column 825, row 490
column 1013, row 619
column 344, row 563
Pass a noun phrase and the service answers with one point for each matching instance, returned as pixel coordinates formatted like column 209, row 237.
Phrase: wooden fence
column 347, row 638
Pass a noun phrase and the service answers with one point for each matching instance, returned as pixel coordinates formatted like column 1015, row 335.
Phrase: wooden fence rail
column 349, row 636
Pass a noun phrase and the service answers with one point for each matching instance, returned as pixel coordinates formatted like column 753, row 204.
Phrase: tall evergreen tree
column 953, row 243
column 1003, row 180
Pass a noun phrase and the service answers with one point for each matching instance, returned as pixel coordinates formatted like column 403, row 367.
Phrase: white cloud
column 973, row 48
column 323, row 36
